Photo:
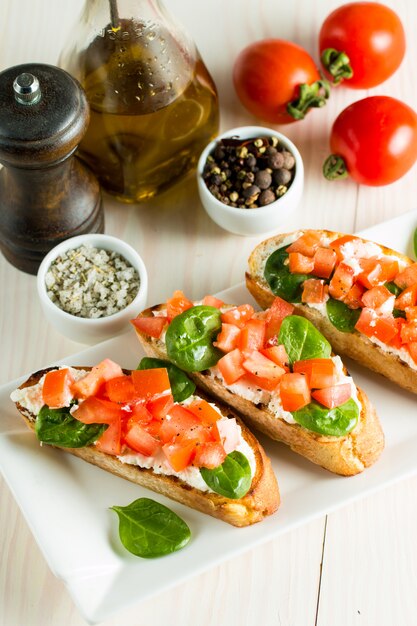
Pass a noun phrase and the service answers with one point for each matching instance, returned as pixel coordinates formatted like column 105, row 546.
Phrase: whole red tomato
column 373, row 140
column 278, row 81
column 372, row 38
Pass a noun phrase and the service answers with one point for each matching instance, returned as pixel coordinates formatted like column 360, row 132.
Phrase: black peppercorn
column 289, row 160
column 275, row 161
column 281, row 176
column 266, row 197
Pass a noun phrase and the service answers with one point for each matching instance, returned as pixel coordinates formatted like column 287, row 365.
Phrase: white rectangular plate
column 66, row 501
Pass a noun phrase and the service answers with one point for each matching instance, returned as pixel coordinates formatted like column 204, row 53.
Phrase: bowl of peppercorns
column 250, row 180
column 91, row 286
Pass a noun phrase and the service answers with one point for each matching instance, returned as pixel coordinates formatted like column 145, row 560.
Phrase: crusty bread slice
column 346, row 455
column 354, row 345
column 261, row 500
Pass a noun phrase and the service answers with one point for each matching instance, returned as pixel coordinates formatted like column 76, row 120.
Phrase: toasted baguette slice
column 261, row 500
column 354, row 345
column 346, row 455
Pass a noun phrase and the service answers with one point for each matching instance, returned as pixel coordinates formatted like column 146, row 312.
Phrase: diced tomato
column 260, row 366
column 278, row 310
column 110, row 440
column 396, row 341
column 227, row 338
column 140, row 440
column 411, row 313
column 120, row 389
column 307, row 244
column 205, row 412
column 140, row 414
column 319, row 372
column 337, row 244
column 177, row 304
column 56, row 389
column 268, row 384
column 324, row 262
column 409, row 332
column 150, row 383
column 314, row 291
column 331, row 397
column 370, row 324
column 407, row 298
column 179, row 422
column 180, row 455
column 230, row 366
column 152, row 326
column 212, row 301
column 278, row 355
column 229, row 434
column 294, row 391
column 379, row 299
column 407, row 277
column 252, row 335
column 353, row 298
column 97, row 411
column 210, row 455
column 300, row 264
column 412, row 348
column 239, row 315
column 376, row 272
column 342, row 281
column 99, row 374
column 159, row 407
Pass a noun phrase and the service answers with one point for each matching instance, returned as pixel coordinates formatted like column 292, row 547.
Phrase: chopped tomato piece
column 314, row 291
column 252, row 335
column 205, row 412
column 159, row 407
column 411, row 313
column 409, row 332
column 230, row 366
column 407, row 298
column 379, row 299
column 294, row 391
column 99, row 374
column 336, row 245
column 229, row 434
column 180, row 455
column 319, row 372
column 376, row 272
column 342, row 281
column 278, row 355
column 396, row 341
column 278, row 310
column 177, row 304
column 120, row 389
column 110, row 440
column 370, row 324
column 238, row 315
column 210, row 455
column 300, row 264
column 412, row 348
column 179, row 422
column 227, row 338
column 212, row 301
column 333, row 396
column 324, row 262
column 152, row 326
column 307, row 244
column 150, row 383
column 97, row 411
column 353, row 298
column 267, row 384
column 56, row 390
column 139, row 413
column 259, row 365
column 407, row 277
column 140, row 440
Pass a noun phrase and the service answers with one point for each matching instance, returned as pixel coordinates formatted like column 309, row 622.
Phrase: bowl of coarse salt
column 90, row 286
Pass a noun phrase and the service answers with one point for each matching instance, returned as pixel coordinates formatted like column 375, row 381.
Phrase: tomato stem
column 314, row 95
column 334, row 167
column 337, row 64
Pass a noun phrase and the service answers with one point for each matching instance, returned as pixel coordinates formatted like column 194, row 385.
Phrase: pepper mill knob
column 46, row 193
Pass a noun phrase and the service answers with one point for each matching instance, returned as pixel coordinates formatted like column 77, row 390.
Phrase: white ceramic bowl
column 263, row 220
column 86, row 330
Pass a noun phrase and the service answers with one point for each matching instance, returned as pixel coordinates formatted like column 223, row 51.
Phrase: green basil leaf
column 232, row 478
column 302, row 340
column 399, row 313
column 335, row 422
column 189, row 338
column 393, row 288
column 279, row 278
column 149, row 529
column 182, row 387
column 58, row 427
column 341, row 316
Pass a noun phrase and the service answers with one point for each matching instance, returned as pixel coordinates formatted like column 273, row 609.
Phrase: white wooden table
column 356, row 565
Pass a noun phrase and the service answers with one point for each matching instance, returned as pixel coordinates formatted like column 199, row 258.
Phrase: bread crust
column 354, row 345
column 347, row 456
column 262, row 499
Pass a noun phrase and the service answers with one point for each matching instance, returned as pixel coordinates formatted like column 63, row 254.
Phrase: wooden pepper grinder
column 46, row 193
